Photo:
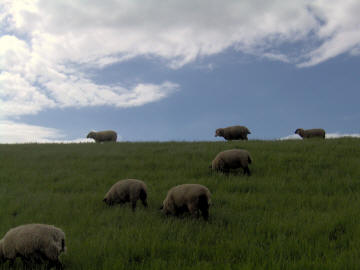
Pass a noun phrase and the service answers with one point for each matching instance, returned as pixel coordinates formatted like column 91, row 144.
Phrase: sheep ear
column 161, row 207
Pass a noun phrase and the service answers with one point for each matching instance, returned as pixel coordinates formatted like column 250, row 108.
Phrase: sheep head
column 91, row 135
column 300, row 132
column 219, row 132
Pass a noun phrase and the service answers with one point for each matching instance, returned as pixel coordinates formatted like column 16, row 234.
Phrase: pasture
column 300, row 209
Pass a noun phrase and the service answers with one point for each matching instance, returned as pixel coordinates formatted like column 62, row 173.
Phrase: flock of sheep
column 41, row 243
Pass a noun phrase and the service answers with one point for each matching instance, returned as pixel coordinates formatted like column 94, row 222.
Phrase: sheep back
column 311, row 133
column 188, row 197
column 232, row 159
column 233, row 133
column 31, row 239
column 127, row 190
column 103, row 136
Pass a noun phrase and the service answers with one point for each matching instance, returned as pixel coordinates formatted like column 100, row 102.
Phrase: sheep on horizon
column 310, row 133
column 233, row 133
column 103, row 136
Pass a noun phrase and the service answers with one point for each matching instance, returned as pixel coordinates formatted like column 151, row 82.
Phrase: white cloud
column 277, row 56
column 12, row 132
column 45, row 45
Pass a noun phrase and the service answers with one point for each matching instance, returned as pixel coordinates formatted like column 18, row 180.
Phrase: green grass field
column 300, row 209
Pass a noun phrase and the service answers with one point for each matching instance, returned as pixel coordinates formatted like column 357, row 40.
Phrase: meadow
column 300, row 209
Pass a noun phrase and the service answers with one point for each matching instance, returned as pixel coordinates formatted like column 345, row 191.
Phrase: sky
column 177, row 70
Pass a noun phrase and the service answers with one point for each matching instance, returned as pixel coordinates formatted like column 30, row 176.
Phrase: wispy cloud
column 13, row 132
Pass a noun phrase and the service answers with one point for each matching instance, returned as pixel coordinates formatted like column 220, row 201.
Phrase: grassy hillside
column 300, row 209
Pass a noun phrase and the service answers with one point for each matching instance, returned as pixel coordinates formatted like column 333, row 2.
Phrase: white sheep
column 232, row 159
column 128, row 190
column 187, row 198
column 311, row 133
column 233, row 133
column 34, row 244
column 103, row 136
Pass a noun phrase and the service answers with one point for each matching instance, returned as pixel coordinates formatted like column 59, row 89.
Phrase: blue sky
column 170, row 71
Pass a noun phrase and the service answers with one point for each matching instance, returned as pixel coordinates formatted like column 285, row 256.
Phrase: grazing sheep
column 311, row 133
column 187, row 198
column 232, row 159
column 34, row 244
column 103, row 136
column 233, row 133
column 128, row 190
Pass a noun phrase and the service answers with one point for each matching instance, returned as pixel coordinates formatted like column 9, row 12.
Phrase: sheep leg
column 193, row 211
column 133, row 205
column 11, row 263
column 247, row 171
column 54, row 263
column 205, row 213
column 27, row 263
column 226, row 172
column 143, row 197
column 144, row 203
column 177, row 212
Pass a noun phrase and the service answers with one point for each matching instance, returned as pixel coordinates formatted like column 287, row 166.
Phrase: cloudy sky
column 177, row 70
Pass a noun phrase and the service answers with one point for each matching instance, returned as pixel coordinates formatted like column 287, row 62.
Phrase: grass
column 300, row 209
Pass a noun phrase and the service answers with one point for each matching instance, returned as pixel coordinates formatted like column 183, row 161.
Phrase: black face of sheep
column 91, row 135
column 219, row 132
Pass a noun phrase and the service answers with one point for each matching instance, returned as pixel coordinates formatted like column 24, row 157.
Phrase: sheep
column 103, row 136
column 232, row 159
column 187, row 198
column 311, row 133
column 127, row 190
column 233, row 133
column 33, row 243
